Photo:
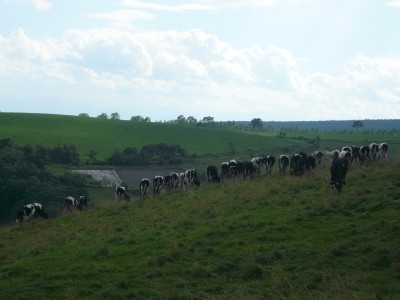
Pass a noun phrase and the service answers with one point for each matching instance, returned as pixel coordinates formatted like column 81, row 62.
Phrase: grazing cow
column 383, row 150
column 318, row 157
column 168, row 183
column 355, row 153
column 29, row 211
column 121, row 194
column 270, row 162
column 364, row 155
column 339, row 169
column 257, row 163
column 310, row 164
column 144, row 187
column 233, row 172
column 182, row 183
column 70, row 204
column 158, row 183
column 82, row 203
column 191, row 178
column 212, row 174
column 297, row 164
column 174, row 181
column 374, row 149
column 283, row 163
column 224, row 170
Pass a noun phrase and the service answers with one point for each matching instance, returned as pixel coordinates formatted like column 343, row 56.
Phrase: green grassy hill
column 274, row 237
column 105, row 136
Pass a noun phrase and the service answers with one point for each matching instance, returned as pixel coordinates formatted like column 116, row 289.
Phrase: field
column 274, row 237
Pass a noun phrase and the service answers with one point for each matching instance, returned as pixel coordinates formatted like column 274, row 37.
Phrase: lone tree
column 257, row 123
column 115, row 116
column 102, row 116
column 357, row 124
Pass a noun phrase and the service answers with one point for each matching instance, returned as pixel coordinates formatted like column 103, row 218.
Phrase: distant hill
column 335, row 125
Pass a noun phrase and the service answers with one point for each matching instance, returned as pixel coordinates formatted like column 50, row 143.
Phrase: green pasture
column 106, row 136
column 274, row 237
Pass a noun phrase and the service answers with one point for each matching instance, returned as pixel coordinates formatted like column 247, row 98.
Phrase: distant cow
column 191, row 178
column 158, row 183
column 82, row 203
column 224, row 170
column 175, row 180
column 283, row 163
column 297, row 164
column 70, row 204
column 212, row 174
column 339, row 169
column 310, row 164
column 318, row 157
column 383, row 150
column 374, row 149
column 270, row 162
column 364, row 155
column 29, row 211
column 144, row 187
column 121, row 194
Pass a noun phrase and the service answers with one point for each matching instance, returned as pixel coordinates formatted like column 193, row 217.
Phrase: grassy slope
column 275, row 237
column 105, row 136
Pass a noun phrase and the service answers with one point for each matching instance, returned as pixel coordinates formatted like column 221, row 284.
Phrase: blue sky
column 233, row 60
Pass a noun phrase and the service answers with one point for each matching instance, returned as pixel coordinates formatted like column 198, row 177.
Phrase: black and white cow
column 318, row 157
column 191, row 178
column 70, row 204
column 355, row 153
column 121, row 194
column 168, row 183
column 283, row 163
column 297, row 164
column 269, row 163
column 374, row 151
column 212, row 174
column 82, row 203
column 364, row 155
column 224, row 170
column 257, row 163
column 310, row 164
column 29, row 211
column 144, row 187
column 233, row 172
column 158, row 183
column 338, row 170
column 383, row 150
column 175, row 180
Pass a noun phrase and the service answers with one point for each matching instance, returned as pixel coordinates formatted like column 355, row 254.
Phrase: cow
column 364, row 155
column 158, row 183
column 374, row 149
column 270, row 162
column 338, row 170
column 29, row 211
column 224, row 170
column 212, row 174
column 70, row 204
column 168, row 183
column 297, row 164
column 355, row 153
column 191, row 178
column 335, row 154
column 318, row 157
column 233, row 172
column 257, row 163
column 182, row 183
column 383, row 150
column 144, row 187
column 175, row 180
column 310, row 164
column 283, row 163
column 82, row 203
column 121, row 194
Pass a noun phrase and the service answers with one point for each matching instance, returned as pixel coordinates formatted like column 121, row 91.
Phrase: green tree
column 102, row 116
column 257, row 123
column 85, row 115
column 357, row 124
column 191, row 120
column 115, row 116
column 137, row 118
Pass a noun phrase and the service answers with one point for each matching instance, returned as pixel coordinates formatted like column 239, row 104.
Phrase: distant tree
column 357, row 124
column 137, row 118
column 85, row 115
column 147, row 119
column 256, row 123
column 208, row 120
column 102, row 116
column 191, row 120
column 181, row 119
column 115, row 116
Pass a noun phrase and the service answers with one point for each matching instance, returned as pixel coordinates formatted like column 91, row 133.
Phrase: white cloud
column 122, row 16
column 395, row 3
column 37, row 4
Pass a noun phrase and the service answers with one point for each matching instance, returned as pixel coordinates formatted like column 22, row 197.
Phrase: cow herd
column 298, row 164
